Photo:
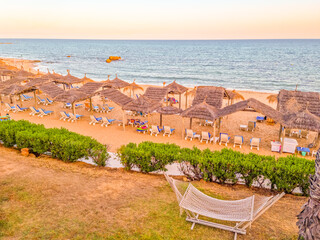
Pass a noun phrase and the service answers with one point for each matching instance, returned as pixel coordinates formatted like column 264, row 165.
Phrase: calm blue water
column 261, row 65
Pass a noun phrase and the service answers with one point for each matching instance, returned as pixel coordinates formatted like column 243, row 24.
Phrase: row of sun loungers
column 166, row 130
column 45, row 101
column 70, row 117
column 39, row 112
column 104, row 121
column 14, row 108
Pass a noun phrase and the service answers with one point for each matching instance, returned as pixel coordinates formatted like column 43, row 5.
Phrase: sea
column 258, row 65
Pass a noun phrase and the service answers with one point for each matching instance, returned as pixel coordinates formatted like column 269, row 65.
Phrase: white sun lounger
column 205, row 136
column 64, row 116
column 106, row 121
column 95, row 120
column 167, row 130
column 34, row 111
column 155, row 130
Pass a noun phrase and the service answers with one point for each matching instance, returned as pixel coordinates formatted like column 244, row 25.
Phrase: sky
column 163, row 19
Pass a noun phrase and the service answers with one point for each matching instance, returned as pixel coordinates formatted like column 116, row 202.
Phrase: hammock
column 196, row 204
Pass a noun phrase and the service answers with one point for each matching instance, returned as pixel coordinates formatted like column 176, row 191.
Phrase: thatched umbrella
column 175, row 88
column 72, row 96
column 16, row 89
column 168, row 110
column 302, row 120
column 273, row 98
column 23, row 74
column 51, row 89
column 115, row 96
column 236, row 95
column 155, row 93
column 91, row 87
column 37, row 82
column 309, row 218
column 85, row 79
column 117, row 83
column 213, row 95
column 133, row 86
column 201, row 111
column 66, row 80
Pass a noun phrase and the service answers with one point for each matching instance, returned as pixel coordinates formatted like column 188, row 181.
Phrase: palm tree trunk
column 309, row 218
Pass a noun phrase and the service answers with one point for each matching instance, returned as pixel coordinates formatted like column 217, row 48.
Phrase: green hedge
column 61, row 143
column 225, row 166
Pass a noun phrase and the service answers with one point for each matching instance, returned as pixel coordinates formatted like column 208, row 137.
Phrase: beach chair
column 214, row 139
column 101, row 108
column 25, row 97
column 244, row 127
column 9, row 108
column 270, row 121
column 251, row 126
column 95, row 120
column 74, row 118
column 238, row 141
column 167, row 130
column 224, row 139
column 64, row 116
column 304, row 134
column 77, row 105
column 49, row 102
column 208, row 123
column 260, row 118
column 191, row 135
column 95, row 108
column 255, row 143
column 44, row 112
column 41, row 101
column 20, row 109
column 106, row 121
column 155, row 130
column 34, row 111
column 109, row 109
column 142, row 129
column 129, row 113
column 205, row 136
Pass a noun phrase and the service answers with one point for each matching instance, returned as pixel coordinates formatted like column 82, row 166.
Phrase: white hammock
column 196, row 204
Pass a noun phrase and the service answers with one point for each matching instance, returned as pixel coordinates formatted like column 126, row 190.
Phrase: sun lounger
column 106, row 121
column 167, row 130
column 190, row 134
column 77, row 105
column 155, row 130
column 74, row 118
column 64, row 116
column 9, row 108
column 224, row 139
column 260, row 118
column 20, row 109
column 49, row 102
column 214, row 139
column 34, row 111
column 251, row 126
column 244, row 127
column 255, row 143
column 41, row 101
column 44, row 112
column 109, row 109
column 238, row 141
column 25, row 97
column 101, row 108
column 208, row 123
column 95, row 120
column 95, row 108
column 205, row 136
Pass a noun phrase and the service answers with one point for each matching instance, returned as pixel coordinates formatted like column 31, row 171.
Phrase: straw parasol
column 155, row 93
column 91, row 87
column 117, row 83
column 37, row 82
column 115, row 96
column 133, row 86
column 168, row 110
column 85, row 79
column 50, row 89
column 72, row 96
column 234, row 95
column 142, row 104
column 16, row 89
column 213, row 95
column 23, row 74
column 175, row 88
column 66, row 80
column 302, row 120
column 273, row 98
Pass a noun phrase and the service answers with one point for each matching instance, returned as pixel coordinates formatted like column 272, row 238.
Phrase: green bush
column 61, row 143
column 225, row 166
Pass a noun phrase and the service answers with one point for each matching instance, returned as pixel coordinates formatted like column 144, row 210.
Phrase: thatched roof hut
column 15, row 90
column 306, row 100
column 302, row 120
column 91, row 87
column 117, row 83
column 116, row 96
column 175, row 88
column 37, row 82
column 201, row 111
column 8, row 83
column 68, row 79
column 50, row 89
column 71, row 96
column 142, row 104
column 169, row 110
column 254, row 104
column 213, row 95
column 23, row 74
column 155, row 93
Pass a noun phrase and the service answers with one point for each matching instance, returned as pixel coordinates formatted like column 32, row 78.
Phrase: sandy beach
column 114, row 136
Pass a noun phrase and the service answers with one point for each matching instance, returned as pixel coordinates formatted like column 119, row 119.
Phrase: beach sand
column 114, row 136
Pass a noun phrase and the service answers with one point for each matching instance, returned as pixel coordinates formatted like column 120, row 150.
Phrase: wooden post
column 35, row 98
column 280, row 131
column 219, row 125
column 282, row 140
column 20, row 100
column 90, row 104
column 214, row 130
column 190, row 123
column 160, row 119
column 104, row 100
column 182, row 131
column 179, row 100
column 186, row 99
column 124, row 120
column 73, row 108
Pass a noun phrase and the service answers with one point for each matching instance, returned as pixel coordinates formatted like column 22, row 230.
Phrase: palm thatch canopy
column 71, row 96
column 201, row 111
column 306, row 100
column 155, row 93
column 8, row 83
column 52, row 76
column 213, row 95
column 68, row 79
column 302, row 120
column 234, row 95
column 85, row 79
column 117, row 83
column 169, row 110
column 115, row 96
column 272, row 98
column 176, row 88
column 51, row 89
column 142, row 104
column 23, row 74
column 254, row 104
column 192, row 92
column 15, row 90
column 91, row 87
column 6, row 72
column 37, row 82
column 133, row 86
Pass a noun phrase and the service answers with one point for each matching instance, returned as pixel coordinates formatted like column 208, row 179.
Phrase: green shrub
column 61, row 143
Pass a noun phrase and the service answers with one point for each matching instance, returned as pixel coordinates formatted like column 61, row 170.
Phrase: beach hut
column 175, row 88
column 213, row 95
column 72, row 96
column 168, row 110
column 133, row 86
column 202, row 111
column 116, row 83
column 155, row 93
